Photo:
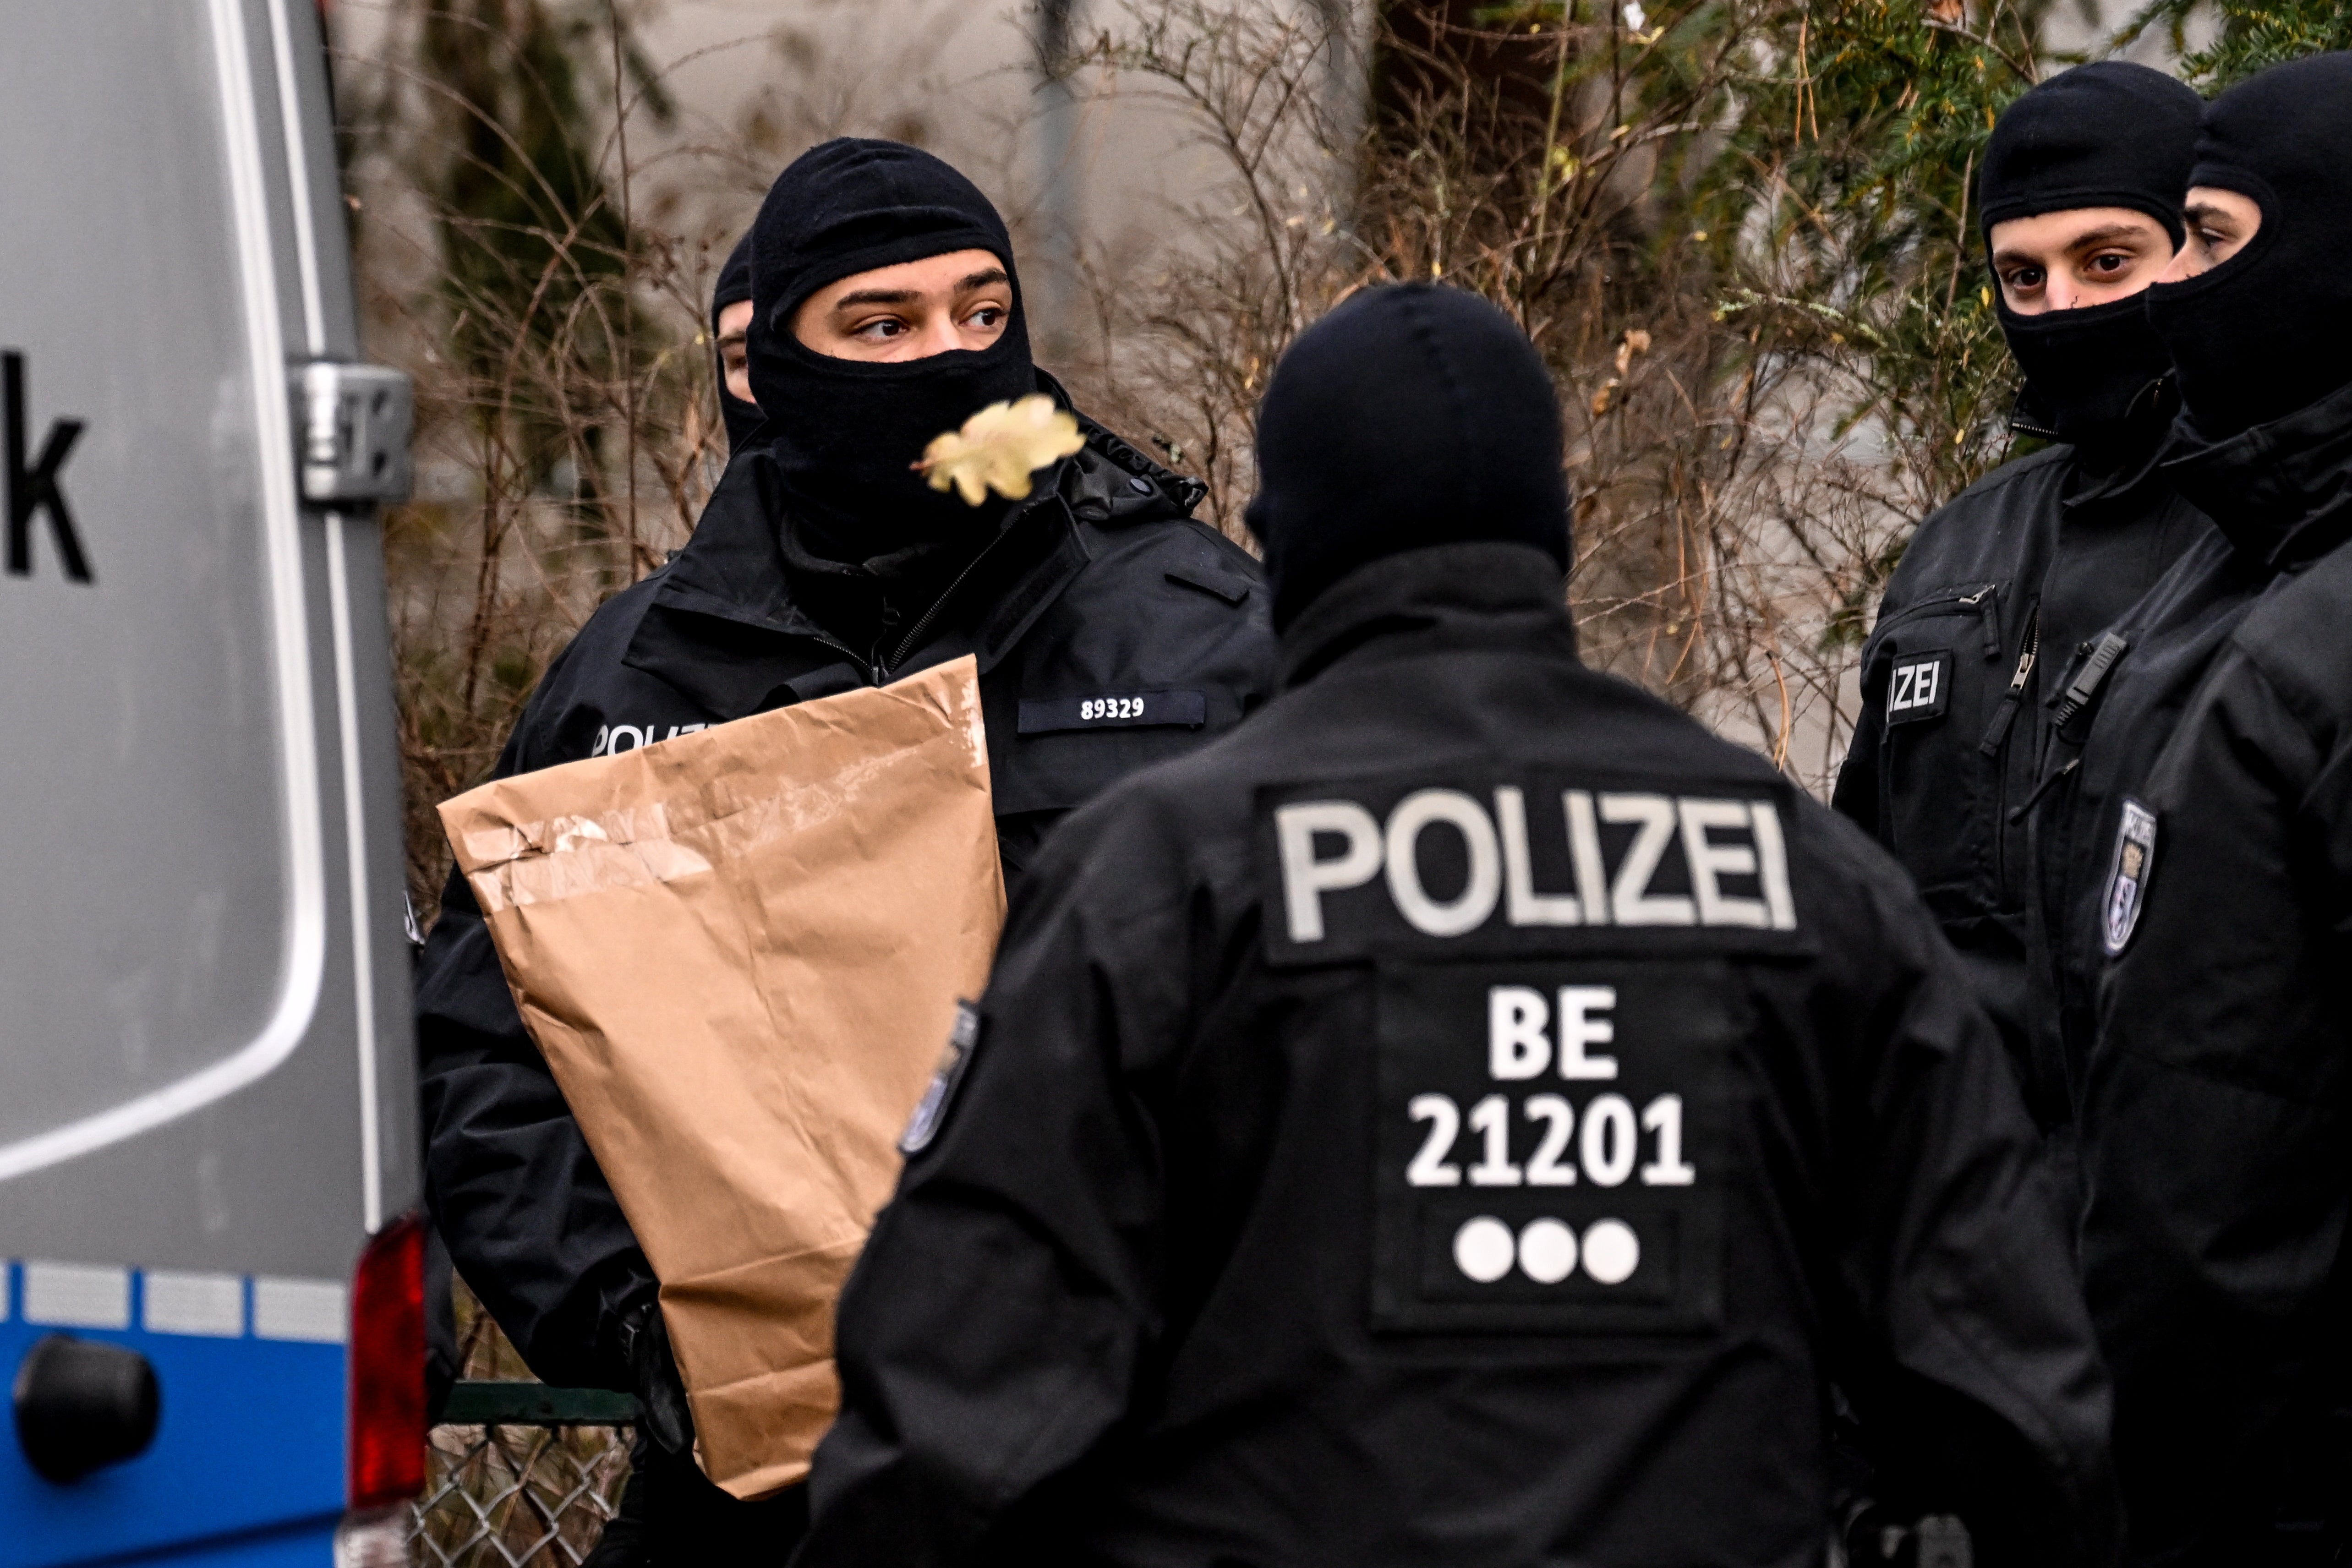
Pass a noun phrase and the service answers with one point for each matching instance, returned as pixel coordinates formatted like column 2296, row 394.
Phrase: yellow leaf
column 1984, row 297
column 999, row 447
column 1637, row 341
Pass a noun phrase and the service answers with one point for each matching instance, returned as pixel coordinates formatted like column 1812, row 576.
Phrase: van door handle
column 82, row 1405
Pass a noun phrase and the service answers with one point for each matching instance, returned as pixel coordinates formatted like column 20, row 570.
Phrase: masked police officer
column 1464, row 1116
column 730, row 336
column 887, row 310
column 2001, row 592
column 2215, row 1143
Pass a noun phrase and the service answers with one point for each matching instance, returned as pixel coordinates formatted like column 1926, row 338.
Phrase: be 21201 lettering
column 1549, row 1146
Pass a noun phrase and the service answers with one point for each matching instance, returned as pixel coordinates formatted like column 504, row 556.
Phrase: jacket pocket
column 1935, row 673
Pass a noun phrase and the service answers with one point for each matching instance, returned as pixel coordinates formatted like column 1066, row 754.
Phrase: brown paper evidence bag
column 740, row 952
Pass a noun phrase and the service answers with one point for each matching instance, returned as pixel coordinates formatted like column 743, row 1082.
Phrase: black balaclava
column 845, row 433
column 1412, row 416
column 734, row 287
column 2111, row 134
column 2270, row 331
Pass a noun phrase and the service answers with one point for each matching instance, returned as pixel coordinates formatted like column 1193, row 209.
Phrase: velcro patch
column 1550, row 1147
column 1536, row 864
column 1919, row 687
column 1114, row 710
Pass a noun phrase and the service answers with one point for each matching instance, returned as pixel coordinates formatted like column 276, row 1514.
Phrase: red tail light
column 386, row 1448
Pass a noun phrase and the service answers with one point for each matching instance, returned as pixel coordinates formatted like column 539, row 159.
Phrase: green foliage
column 527, row 222
column 2249, row 36
column 1861, row 148
column 505, row 129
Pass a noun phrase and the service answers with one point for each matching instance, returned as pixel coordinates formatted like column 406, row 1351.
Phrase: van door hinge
column 354, row 425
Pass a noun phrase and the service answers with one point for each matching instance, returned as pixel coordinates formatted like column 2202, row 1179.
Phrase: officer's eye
column 2025, row 277
column 2214, row 235
column 2108, row 265
column 986, row 316
column 881, row 329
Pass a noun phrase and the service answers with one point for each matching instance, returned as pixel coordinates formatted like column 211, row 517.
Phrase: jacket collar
column 2282, row 492
column 2119, row 478
column 723, row 602
column 1443, row 597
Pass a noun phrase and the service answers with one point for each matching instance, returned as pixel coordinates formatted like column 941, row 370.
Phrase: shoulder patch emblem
column 1919, row 687
column 2127, row 878
column 932, row 1108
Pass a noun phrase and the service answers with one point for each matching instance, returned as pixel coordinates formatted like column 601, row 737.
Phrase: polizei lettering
column 612, row 739
column 1447, row 862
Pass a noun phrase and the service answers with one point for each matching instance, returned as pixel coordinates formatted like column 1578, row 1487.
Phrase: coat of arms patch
column 2128, row 879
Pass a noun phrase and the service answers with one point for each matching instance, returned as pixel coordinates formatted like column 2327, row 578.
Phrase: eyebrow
column 876, row 296
column 2106, row 236
column 2091, row 241
column 979, row 279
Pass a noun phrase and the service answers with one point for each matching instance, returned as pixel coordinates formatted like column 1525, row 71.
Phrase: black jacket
column 1099, row 588
column 1994, row 594
column 2215, row 1150
column 1211, row 1257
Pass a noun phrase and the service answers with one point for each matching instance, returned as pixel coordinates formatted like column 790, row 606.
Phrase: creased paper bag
column 740, row 952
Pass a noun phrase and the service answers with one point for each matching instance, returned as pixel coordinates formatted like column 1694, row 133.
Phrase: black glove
column 661, row 1394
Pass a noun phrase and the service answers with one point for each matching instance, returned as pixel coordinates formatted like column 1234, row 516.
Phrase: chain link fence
column 511, row 1495
column 518, row 1475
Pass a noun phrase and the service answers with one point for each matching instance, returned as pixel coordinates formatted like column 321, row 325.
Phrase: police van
column 211, row 1301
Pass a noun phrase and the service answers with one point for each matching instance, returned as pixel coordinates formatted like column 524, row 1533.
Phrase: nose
column 2185, row 262
column 939, row 335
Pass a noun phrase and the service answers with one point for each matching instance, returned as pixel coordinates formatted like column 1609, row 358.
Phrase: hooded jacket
column 1252, row 1228
column 741, row 418
column 2001, row 596
column 2214, row 1146
column 1098, row 586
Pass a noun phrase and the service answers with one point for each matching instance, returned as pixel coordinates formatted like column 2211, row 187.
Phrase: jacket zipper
column 1983, row 602
column 907, row 644
column 2014, row 699
column 1995, row 739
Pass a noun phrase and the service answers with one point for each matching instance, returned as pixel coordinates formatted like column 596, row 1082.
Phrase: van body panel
column 207, row 1095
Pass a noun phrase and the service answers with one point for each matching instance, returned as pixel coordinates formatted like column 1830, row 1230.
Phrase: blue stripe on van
column 247, row 1462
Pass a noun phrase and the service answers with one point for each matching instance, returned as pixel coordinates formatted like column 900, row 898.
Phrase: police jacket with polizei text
column 2215, row 1147
column 1110, row 631
column 1324, row 1187
column 1994, row 594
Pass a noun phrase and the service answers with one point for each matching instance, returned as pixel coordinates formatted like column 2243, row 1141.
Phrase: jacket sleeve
column 1965, row 1344
column 1855, row 797
column 2214, row 1123
column 529, row 1221
column 989, row 1336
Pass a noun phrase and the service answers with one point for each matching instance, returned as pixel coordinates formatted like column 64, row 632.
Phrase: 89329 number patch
column 1550, row 1148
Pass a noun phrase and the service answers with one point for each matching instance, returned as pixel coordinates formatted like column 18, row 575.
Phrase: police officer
column 2080, row 200
column 2213, row 1125
column 730, row 335
column 1466, row 1115
column 823, row 564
